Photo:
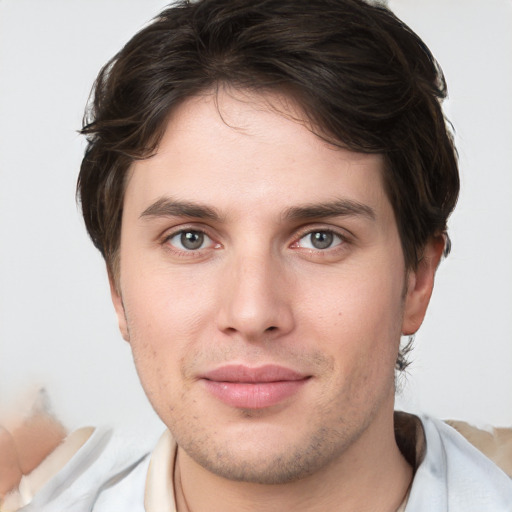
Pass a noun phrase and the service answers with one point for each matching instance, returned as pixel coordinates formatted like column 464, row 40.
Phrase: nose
column 256, row 298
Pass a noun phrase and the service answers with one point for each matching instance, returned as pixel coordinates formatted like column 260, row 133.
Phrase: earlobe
column 420, row 285
column 119, row 308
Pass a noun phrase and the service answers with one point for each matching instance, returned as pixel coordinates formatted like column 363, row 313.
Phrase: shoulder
column 455, row 476
column 495, row 443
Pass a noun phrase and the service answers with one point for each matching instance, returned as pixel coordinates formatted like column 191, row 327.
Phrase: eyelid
column 332, row 254
column 205, row 239
column 336, row 241
column 173, row 230
column 170, row 233
column 344, row 234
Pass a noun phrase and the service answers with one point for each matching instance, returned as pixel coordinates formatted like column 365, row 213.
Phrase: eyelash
column 334, row 234
column 341, row 239
column 189, row 253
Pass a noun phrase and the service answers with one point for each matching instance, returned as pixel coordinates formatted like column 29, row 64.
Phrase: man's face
column 262, row 289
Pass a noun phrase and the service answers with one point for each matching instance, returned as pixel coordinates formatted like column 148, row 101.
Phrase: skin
column 25, row 445
column 10, row 471
column 258, row 291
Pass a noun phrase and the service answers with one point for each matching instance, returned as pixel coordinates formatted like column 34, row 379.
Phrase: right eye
column 190, row 240
column 320, row 240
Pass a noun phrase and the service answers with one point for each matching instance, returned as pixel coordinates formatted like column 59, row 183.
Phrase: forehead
column 243, row 150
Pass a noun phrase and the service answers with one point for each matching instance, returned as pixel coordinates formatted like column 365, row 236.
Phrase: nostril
column 271, row 328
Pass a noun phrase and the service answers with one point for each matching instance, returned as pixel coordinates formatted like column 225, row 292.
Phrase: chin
column 264, row 457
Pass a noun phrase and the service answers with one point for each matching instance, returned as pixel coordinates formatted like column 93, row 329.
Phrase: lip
column 253, row 388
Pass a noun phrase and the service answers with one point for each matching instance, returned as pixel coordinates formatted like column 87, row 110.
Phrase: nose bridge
column 254, row 301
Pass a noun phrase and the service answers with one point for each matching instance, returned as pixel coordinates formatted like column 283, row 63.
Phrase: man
column 269, row 183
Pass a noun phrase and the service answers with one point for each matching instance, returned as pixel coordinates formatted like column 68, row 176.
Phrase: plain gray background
column 57, row 327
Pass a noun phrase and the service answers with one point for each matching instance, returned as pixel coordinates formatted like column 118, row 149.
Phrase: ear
column 119, row 307
column 420, row 283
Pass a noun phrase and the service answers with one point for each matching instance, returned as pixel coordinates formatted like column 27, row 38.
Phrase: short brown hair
column 364, row 80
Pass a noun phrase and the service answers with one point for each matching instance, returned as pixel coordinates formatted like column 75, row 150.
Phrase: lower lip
column 254, row 396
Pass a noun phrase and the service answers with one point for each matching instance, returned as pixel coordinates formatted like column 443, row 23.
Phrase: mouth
column 253, row 388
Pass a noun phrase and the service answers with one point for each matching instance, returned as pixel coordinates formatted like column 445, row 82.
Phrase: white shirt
column 106, row 476
column 454, row 476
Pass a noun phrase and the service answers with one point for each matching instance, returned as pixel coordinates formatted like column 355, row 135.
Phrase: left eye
column 320, row 240
column 190, row 240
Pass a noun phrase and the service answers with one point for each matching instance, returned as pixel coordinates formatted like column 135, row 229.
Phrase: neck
column 371, row 475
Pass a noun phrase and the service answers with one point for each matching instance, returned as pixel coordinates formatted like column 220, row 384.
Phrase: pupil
column 192, row 239
column 321, row 239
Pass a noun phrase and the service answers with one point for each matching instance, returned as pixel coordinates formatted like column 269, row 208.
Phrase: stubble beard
column 272, row 465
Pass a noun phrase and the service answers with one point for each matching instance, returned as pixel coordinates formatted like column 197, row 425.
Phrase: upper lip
column 242, row 373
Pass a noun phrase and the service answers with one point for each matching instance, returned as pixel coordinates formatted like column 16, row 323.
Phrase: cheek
column 364, row 344
column 164, row 325
column 358, row 319
column 360, row 300
column 164, row 306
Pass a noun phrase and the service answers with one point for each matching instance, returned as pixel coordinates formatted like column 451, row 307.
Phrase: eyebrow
column 168, row 207
column 338, row 208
